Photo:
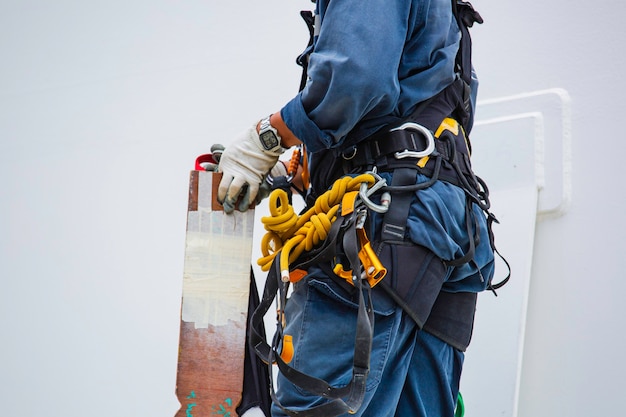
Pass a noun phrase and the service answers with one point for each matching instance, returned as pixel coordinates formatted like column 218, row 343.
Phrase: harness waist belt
column 380, row 151
column 368, row 151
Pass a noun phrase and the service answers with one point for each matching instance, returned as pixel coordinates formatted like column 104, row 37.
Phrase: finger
column 248, row 197
column 244, row 201
column 264, row 191
column 222, row 189
column 216, row 151
column 228, row 207
column 235, row 189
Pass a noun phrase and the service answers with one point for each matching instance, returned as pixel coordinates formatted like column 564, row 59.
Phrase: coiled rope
column 290, row 234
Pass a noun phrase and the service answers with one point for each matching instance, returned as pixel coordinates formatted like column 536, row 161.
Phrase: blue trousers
column 412, row 373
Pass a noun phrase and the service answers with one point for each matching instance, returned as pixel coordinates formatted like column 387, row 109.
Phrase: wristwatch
column 270, row 140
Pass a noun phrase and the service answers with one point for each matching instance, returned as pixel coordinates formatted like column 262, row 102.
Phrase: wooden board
column 216, row 285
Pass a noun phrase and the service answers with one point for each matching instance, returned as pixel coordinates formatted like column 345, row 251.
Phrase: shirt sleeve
column 353, row 70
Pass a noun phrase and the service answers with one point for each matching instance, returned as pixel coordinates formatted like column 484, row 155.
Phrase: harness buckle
column 430, row 147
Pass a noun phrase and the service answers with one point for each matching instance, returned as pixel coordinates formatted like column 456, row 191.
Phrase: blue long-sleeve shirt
column 372, row 60
column 375, row 60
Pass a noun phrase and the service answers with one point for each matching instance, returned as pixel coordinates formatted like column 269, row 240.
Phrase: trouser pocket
column 322, row 321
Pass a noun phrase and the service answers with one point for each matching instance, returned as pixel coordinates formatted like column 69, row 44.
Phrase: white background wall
column 574, row 336
column 104, row 106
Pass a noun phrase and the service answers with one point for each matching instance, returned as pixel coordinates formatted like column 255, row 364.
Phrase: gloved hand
column 266, row 187
column 244, row 165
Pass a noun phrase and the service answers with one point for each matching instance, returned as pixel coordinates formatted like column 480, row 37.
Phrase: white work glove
column 244, row 165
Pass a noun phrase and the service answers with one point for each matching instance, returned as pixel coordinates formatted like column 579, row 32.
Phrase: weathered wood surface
column 216, row 285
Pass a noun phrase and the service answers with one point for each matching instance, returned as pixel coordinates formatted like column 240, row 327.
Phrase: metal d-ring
column 430, row 147
column 347, row 158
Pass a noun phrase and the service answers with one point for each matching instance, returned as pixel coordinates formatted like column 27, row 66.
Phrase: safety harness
column 330, row 234
column 336, row 222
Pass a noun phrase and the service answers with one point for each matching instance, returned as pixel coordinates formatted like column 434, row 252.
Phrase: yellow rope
column 295, row 234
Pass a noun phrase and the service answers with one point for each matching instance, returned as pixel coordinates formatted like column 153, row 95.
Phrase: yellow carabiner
column 373, row 268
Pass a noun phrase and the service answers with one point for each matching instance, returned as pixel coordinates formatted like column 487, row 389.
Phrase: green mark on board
column 190, row 406
column 221, row 410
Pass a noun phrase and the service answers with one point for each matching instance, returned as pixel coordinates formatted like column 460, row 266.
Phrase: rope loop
column 290, row 234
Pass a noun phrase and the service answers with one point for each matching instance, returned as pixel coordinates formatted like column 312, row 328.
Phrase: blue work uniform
column 373, row 62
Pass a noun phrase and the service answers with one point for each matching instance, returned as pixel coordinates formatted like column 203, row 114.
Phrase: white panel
column 551, row 110
column 521, row 148
column 508, row 155
column 491, row 375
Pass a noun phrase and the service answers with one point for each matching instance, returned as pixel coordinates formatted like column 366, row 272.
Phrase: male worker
column 373, row 65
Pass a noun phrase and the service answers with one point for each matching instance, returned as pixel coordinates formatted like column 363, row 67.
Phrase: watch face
column 268, row 140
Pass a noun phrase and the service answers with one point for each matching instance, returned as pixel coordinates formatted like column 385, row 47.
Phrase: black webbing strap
column 303, row 59
column 493, row 287
column 465, row 16
column 341, row 400
column 473, row 237
column 394, row 221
